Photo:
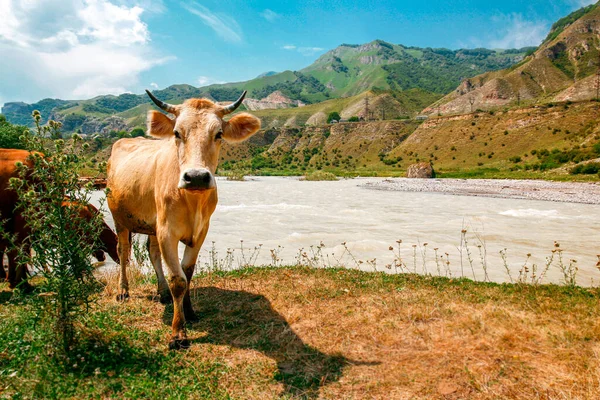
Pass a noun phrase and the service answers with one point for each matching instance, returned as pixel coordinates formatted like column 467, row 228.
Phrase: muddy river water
column 286, row 215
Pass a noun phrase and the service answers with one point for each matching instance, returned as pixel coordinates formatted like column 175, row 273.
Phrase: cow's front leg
column 178, row 286
column 188, row 264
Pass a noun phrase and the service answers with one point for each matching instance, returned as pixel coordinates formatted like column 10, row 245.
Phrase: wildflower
column 391, row 248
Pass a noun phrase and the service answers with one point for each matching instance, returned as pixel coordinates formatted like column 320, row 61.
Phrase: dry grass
column 342, row 334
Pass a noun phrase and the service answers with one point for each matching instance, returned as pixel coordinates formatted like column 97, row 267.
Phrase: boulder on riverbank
column 420, row 170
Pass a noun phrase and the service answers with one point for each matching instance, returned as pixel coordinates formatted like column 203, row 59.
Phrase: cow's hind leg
column 17, row 271
column 124, row 248
column 163, row 288
column 178, row 285
column 2, row 271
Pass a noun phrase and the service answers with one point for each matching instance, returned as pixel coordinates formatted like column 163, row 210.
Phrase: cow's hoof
column 179, row 344
column 165, row 298
column 23, row 286
column 122, row 296
column 26, row 288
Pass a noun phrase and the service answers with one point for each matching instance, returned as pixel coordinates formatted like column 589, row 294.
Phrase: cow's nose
column 196, row 179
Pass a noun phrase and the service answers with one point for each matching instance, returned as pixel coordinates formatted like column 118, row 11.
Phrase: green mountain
column 347, row 70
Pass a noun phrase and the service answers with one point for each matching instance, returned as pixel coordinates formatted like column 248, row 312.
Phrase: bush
column 11, row 135
column 333, row 116
column 353, row 119
column 67, row 286
column 586, row 169
column 515, row 159
column 137, row 132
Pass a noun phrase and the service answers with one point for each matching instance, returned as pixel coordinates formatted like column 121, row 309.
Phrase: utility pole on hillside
column 519, row 98
column 367, row 107
column 471, row 102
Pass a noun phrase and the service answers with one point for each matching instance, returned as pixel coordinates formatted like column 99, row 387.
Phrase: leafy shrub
column 11, row 135
column 137, row 132
column 586, row 169
column 333, row 116
column 61, row 258
column 260, row 162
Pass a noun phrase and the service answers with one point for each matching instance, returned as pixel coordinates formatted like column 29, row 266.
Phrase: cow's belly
column 137, row 215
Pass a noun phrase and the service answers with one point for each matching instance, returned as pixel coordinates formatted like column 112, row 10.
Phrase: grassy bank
column 304, row 333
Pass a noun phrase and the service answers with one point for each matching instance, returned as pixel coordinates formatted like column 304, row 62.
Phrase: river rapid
column 345, row 223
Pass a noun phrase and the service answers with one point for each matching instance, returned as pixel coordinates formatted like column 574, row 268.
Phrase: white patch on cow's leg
column 188, row 264
column 124, row 249
column 178, row 285
column 163, row 287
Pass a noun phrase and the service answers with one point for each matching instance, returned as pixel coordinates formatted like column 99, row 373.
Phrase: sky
column 78, row 49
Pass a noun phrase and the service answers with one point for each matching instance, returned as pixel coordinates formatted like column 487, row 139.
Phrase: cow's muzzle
column 196, row 179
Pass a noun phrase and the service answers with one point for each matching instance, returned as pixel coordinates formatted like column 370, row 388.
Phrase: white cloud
column 518, row 32
column 223, row 25
column 305, row 51
column 205, row 81
column 269, row 15
column 72, row 48
column 310, row 51
column 154, row 85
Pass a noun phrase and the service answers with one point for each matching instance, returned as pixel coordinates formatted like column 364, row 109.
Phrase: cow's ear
column 240, row 127
column 159, row 125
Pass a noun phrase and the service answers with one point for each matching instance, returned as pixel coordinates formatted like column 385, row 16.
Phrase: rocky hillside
column 377, row 104
column 563, row 68
column 541, row 141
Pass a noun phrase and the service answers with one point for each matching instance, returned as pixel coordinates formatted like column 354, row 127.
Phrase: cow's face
column 197, row 133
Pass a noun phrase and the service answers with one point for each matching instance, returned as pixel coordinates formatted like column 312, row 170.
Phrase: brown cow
column 14, row 223
column 10, row 220
column 167, row 190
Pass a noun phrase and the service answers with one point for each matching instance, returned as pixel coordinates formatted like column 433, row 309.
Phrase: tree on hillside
column 137, row 132
column 333, row 116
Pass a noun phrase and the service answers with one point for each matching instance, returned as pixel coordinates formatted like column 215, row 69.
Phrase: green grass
column 111, row 360
column 244, row 345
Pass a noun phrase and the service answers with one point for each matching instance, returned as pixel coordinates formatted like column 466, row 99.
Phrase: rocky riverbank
column 567, row 192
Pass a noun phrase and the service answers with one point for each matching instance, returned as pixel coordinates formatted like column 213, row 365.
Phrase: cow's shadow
column 247, row 321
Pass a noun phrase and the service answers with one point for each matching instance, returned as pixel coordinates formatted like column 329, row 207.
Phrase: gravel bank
column 567, row 192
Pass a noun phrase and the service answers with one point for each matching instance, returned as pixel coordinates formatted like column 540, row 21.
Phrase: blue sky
column 75, row 49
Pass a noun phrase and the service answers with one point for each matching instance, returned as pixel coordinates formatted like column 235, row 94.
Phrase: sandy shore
column 567, row 192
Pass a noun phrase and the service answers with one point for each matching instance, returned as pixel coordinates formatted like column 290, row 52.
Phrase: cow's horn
column 233, row 106
column 161, row 104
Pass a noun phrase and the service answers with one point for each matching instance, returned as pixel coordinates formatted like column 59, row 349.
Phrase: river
column 286, row 215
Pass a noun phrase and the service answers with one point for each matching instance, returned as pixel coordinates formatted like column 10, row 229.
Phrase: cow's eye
column 219, row 135
column 177, row 135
